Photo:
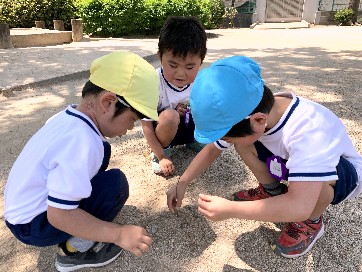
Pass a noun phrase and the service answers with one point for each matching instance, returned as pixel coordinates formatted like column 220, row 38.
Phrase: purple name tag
column 187, row 116
column 276, row 167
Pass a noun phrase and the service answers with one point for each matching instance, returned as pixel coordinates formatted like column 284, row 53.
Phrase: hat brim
column 147, row 111
column 206, row 137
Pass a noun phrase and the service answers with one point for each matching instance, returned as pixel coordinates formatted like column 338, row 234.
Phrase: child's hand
column 213, row 207
column 174, row 196
column 134, row 239
column 181, row 109
column 167, row 166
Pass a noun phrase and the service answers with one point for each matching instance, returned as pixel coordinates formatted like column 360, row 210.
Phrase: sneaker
column 156, row 164
column 195, row 146
column 99, row 255
column 255, row 193
column 298, row 238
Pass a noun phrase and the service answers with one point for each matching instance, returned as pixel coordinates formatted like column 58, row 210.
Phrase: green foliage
column 212, row 12
column 143, row 17
column 113, row 18
column 230, row 14
column 23, row 13
column 154, row 15
column 18, row 13
column 344, row 16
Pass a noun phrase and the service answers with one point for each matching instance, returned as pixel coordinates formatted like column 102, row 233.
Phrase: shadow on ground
column 190, row 242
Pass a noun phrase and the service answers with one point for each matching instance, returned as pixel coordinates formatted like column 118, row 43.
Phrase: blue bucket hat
column 223, row 94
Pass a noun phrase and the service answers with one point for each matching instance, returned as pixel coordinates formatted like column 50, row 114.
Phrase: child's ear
column 107, row 101
column 258, row 121
column 159, row 55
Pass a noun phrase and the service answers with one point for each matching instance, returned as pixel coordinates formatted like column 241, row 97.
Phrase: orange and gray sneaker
column 255, row 193
column 296, row 239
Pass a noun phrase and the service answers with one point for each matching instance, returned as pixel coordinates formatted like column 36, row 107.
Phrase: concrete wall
column 260, row 10
column 41, row 39
column 309, row 9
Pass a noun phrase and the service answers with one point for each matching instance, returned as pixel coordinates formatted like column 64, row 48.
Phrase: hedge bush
column 110, row 17
column 144, row 17
column 24, row 13
column 344, row 16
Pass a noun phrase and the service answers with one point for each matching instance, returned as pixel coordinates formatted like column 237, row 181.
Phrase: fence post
column 39, row 24
column 58, row 25
column 77, row 29
column 5, row 38
column 317, row 18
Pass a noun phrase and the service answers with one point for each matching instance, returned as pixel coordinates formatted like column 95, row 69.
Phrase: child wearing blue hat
column 181, row 49
column 59, row 190
column 281, row 140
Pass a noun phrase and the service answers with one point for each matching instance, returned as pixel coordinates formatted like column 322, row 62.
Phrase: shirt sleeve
column 222, row 145
column 73, row 160
column 314, row 152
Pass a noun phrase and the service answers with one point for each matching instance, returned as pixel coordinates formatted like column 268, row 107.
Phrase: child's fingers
column 171, row 203
column 202, row 211
column 146, row 239
column 206, row 198
column 202, row 203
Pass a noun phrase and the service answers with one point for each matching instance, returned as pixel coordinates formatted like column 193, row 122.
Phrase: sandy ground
column 323, row 64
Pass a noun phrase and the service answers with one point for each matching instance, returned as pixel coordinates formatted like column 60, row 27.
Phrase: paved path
column 23, row 66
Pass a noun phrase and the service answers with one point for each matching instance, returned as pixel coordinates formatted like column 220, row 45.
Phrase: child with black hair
column 280, row 137
column 59, row 190
column 181, row 49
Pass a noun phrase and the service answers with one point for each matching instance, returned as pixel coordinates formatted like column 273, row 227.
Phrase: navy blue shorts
column 347, row 174
column 185, row 132
column 109, row 194
column 347, row 180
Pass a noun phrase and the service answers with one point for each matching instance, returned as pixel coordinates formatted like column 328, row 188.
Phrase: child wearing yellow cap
column 181, row 49
column 59, row 190
column 298, row 150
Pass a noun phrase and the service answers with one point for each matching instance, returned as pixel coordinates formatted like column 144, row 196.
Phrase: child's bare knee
column 169, row 117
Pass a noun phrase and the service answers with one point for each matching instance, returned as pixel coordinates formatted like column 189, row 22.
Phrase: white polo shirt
column 169, row 95
column 55, row 167
column 312, row 139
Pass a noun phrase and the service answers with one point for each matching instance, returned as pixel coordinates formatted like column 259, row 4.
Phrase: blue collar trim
column 82, row 118
column 286, row 118
column 173, row 87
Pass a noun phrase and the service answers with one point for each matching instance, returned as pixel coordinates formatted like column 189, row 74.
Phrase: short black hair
column 92, row 89
column 183, row 35
column 243, row 128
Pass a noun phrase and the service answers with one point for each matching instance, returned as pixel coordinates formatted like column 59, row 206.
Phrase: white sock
column 80, row 244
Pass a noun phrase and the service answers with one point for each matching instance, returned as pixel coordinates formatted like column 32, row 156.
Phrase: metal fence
column 247, row 7
column 333, row 5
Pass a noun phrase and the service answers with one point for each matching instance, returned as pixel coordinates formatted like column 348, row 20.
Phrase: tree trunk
column 354, row 4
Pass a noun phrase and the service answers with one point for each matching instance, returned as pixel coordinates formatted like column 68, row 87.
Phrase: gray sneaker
column 195, row 146
column 99, row 255
column 156, row 164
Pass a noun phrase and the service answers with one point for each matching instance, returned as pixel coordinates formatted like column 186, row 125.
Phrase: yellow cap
column 129, row 75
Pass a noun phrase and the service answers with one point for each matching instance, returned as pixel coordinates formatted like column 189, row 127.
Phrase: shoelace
column 254, row 192
column 294, row 229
